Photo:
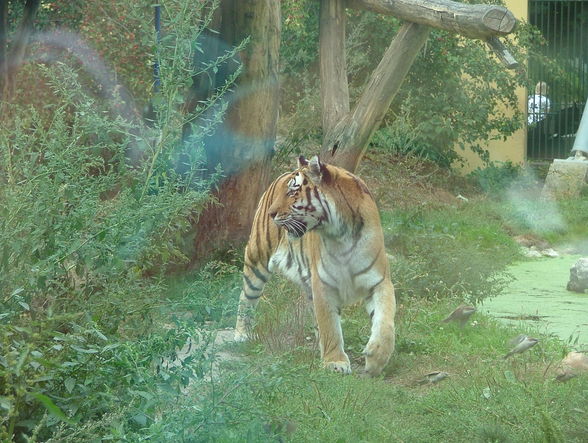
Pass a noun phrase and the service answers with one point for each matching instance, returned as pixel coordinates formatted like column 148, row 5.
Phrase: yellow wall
column 514, row 148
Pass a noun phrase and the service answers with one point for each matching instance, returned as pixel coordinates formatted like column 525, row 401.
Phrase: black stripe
column 372, row 315
column 327, row 272
column 249, row 284
column 355, row 241
column 373, row 288
column 326, row 210
column 258, row 274
column 259, row 263
column 268, row 238
column 364, row 270
column 326, row 283
column 303, row 256
column 264, row 219
column 345, row 198
column 252, row 297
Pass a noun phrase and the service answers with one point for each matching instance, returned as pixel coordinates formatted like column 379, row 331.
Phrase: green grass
column 485, row 398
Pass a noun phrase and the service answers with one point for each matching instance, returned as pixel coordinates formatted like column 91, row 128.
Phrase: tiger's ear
column 302, row 161
column 316, row 169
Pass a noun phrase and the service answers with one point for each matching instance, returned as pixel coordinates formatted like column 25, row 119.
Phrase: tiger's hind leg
column 381, row 306
column 254, row 279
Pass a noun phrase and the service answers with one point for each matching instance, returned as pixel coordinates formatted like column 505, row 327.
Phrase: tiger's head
column 299, row 205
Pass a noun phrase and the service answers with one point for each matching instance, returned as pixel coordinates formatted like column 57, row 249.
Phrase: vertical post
column 581, row 141
column 333, row 66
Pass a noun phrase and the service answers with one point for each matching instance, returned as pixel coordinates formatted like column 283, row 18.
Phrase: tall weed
column 93, row 212
column 450, row 252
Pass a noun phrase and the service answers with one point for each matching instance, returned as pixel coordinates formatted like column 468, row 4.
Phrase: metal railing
column 560, row 75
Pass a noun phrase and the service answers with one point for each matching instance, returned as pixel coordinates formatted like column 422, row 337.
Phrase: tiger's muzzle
column 295, row 228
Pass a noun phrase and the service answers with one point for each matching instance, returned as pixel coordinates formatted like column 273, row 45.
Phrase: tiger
column 320, row 227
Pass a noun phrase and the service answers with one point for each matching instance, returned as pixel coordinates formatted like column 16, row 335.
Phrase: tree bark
column 21, row 41
column 3, row 44
column 474, row 21
column 333, row 65
column 243, row 145
column 346, row 143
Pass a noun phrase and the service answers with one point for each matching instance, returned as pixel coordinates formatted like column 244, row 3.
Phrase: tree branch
column 502, row 52
column 474, row 21
column 346, row 143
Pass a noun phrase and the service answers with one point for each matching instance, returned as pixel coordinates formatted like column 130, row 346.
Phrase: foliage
column 456, row 95
column 449, row 252
column 93, row 212
column 497, row 177
column 122, row 34
column 401, row 138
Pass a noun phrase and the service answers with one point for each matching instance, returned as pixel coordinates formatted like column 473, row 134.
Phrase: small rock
column 549, row 252
column 579, row 276
column 532, row 252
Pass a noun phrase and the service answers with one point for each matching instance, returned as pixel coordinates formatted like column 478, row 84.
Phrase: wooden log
column 502, row 52
column 346, row 143
column 474, row 21
column 333, row 65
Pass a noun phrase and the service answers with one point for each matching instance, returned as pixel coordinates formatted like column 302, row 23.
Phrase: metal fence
column 560, row 76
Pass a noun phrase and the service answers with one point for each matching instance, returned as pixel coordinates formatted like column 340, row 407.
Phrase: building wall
column 515, row 147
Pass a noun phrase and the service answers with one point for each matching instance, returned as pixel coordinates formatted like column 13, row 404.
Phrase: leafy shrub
column 92, row 215
column 497, row 176
column 448, row 253
column 400, row 137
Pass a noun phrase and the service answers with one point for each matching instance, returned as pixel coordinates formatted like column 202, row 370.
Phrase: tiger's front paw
column 343, row 367
column 377, row 356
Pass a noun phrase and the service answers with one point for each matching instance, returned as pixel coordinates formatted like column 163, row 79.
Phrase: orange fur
column 320, row 226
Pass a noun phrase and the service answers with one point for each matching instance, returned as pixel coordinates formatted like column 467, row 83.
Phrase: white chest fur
column 345, row 265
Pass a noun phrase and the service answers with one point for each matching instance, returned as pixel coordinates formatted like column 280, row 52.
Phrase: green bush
column 456, row 95
column 400, row 137
column 93, row 214
column 497, row 177
column 449, row 252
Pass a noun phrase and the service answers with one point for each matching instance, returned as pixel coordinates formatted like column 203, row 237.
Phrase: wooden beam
column 333, row 65
column 474, row 21
column 502, row 52
column 346, row 143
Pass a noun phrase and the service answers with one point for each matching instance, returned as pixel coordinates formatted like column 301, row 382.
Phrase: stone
column 549, row 252
column 579, row 276
column 565, row 179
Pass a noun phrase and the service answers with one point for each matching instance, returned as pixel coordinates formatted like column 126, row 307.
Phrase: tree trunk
column 21, row 41
column 243, row 145
column 346, row 135
column 333, row 66
column 3, row 44
column 474, row 21
column 346, row 143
